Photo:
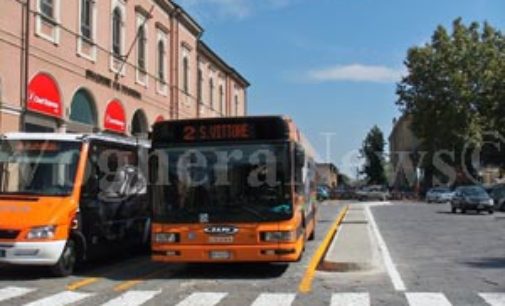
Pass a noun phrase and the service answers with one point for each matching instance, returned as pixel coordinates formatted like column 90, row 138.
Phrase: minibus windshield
column 38, row 167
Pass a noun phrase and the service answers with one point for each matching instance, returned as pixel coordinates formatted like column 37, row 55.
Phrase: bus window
column 299, row 163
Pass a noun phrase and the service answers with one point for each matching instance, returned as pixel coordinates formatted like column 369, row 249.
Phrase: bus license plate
column 220, row 255
column 219, row 239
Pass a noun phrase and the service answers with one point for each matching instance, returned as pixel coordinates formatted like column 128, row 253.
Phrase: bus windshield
column 238, row 183
column 38, row 167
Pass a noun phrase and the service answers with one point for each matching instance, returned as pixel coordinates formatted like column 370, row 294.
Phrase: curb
column 315, row 262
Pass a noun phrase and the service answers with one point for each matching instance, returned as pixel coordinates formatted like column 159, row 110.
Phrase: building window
column 47, row 8
column 211, row 93
column 116, row 32
column 199, row 88
column 86, row 18
column 221, row 99
column 185, row 77
column 141, row 60
column 236, row 105
column 161, row 60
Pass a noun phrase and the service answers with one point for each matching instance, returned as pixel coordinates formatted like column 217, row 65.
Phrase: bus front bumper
column 31, row 253
column 288, row 252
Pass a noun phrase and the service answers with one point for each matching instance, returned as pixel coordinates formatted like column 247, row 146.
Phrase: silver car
column 439, row 195
column 379, row 193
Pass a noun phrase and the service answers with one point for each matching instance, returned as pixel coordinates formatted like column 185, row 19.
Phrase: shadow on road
column 487, row 263
column 232, row 271
column 127, row 267
column 468, row 213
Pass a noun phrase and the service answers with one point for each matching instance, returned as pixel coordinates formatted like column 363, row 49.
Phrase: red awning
column 115, row 119
column 44, row 96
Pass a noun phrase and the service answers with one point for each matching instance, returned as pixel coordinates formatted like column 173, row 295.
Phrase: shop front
column 44, row 109
column 83, row 114
column 114, row 119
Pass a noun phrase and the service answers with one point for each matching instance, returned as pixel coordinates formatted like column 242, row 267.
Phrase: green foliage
column 373, row 153
column 455, row 87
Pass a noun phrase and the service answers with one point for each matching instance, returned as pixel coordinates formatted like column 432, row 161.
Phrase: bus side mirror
column 299, row 157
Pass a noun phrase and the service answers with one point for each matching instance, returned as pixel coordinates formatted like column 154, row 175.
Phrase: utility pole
column 25, row 62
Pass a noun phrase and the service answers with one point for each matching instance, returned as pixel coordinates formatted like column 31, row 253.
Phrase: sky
column 332, row 65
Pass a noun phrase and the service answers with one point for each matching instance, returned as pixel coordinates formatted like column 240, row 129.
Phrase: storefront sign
column 44, row 96
column 105, row 81
column 115, row 119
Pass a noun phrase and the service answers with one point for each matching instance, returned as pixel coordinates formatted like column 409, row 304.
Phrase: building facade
column 403, row 145
column 109, row 65
column 327, row 174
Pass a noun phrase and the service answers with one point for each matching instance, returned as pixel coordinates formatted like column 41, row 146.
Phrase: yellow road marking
column 82, row 283
column 109, row 271
column 306, row 282
column 133, row 282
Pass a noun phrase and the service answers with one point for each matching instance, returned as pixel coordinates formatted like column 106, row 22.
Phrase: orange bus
column 231, row 190
column 70, row 197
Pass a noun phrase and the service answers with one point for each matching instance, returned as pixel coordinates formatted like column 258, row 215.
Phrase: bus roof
column 77, row 137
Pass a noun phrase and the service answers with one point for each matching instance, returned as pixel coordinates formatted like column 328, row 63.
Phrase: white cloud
column 356, row 73
column 237, row 9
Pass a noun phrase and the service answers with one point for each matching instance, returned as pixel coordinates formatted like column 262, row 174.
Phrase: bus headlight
column 278, row 236
column 41, row 232
column 166, row 237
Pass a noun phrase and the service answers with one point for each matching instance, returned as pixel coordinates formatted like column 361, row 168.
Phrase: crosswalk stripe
column 133, row 298
column 493, row 299
column 274, row 299
column 60, row 299
column 350, row 299
column 8, row 293
column 427, row 299
column 203, row 299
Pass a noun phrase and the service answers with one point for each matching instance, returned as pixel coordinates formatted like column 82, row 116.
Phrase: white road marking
column 350, row 299
column 274, row 299
column 133, row 298
column 396, row 279
column 493, row 299
column 60, row 299
column 8, row 293
column 203, row 299
column 427, row 299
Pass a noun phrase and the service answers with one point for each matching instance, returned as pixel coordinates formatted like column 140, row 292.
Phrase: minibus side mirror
column 299, row 157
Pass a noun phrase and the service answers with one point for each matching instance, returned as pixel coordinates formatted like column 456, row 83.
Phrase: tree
column 454, row 90
column 373, row 153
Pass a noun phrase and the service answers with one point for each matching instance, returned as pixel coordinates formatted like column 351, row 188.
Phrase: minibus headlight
column 278, row 236
column 166, row 237
column 41, row 232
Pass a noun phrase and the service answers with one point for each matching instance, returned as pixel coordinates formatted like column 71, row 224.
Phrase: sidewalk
column 352, row 248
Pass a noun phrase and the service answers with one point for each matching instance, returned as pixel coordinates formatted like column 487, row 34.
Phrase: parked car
column 342, row 193
column 323, row 192
column 439, row 195
column 471, row 198
column 497, row 193
column 373, row 193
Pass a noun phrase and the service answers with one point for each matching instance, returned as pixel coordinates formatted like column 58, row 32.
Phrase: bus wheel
column 66, row 263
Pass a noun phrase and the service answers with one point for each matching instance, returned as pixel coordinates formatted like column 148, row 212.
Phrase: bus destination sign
column 217, row 131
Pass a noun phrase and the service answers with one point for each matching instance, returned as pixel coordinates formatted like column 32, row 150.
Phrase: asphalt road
column 457, row 256
column 437, row 251
column 134, row 278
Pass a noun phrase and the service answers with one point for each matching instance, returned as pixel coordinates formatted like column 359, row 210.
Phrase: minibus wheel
column 66, row 263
